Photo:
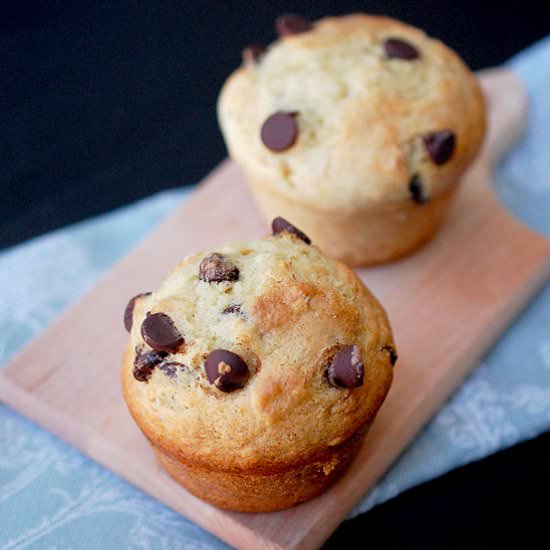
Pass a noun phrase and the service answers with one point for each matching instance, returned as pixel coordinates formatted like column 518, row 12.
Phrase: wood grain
column 447, row 304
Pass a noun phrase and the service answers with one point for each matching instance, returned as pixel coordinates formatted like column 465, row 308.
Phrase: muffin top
column 351, row 111
column 259, row 354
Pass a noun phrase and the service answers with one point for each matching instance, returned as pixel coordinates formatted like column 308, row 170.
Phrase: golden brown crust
column 296, row 309
column 358, row 237
column 266, row 491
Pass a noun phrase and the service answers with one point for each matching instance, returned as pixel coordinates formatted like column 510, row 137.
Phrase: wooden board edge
column 78, row 437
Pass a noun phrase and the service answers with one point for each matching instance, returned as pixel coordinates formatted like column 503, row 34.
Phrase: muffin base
column 360, row 237
column 262, row 491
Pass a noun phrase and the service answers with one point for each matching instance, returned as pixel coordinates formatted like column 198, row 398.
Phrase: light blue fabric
column 51, row 496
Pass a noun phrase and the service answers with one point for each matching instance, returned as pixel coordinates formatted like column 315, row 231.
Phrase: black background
column 102, row 103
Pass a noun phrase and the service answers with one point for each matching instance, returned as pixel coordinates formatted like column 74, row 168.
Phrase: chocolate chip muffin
column 357, row 128
column 256, row 369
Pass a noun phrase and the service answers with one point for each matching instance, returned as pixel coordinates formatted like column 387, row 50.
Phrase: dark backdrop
column 102, row 103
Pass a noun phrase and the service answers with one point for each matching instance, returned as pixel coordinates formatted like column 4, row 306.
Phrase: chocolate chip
column 159, row 331
column 170, row 369
column 279, row 131
column 390, row 350
column 233, row 308
column 226, row 370
column 129, row 311
column 217, row 268
column 144, row 363
column 280, row 225
column 440, row 145
column 253, row 53
column 396, row 48
column 417, row 189
column 291, row 23
column 346, row 369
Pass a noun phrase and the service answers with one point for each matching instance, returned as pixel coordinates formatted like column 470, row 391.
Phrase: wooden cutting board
column 447, row 304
